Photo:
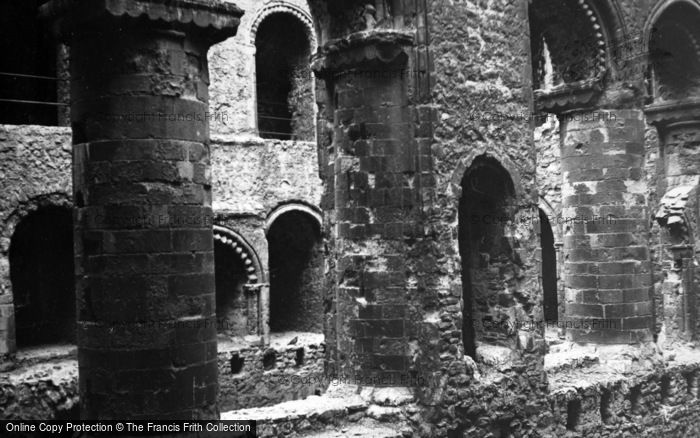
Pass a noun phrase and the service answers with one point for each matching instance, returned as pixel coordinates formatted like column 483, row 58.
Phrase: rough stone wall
column 256, row 176
column 302, row 100
column 287, row 369
column 549, row 177
column 34, row 172
column 481, row 73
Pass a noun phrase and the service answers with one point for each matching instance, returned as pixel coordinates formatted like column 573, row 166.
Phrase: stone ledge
column 217, row 19
column 345, row 410
column 314, row 407
column 252, row 140
column 384, row 46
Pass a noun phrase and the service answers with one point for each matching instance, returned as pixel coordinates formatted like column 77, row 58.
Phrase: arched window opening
column 488, row 269
column 28, row 74
column 232, row 311
column 566, row 47
column 296, row 273
column 549, row 270
column 41, row 272
column 674, row 52
column 284, row 79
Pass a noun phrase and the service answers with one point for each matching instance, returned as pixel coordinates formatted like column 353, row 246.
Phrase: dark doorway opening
column 486, row 253
column 284, row 79
column 42, row 276
column 549, row 270
column 673, row 56
column 296, row 274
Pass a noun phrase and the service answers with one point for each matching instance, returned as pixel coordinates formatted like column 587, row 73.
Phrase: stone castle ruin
column 370, row 218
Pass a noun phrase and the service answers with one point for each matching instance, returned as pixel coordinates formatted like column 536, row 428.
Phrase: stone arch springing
column 239, row 275
column 674, row 51
column 485, row 209
column 284, row 83
column 285, row 208
column 28, row 67
column 296, row 269
column 42, row 277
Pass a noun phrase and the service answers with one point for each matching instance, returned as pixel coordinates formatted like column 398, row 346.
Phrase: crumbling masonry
column 411, row 217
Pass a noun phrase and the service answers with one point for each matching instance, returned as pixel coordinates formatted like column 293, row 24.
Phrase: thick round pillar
column 606, row 256
column 375, row 202
column 142, row 191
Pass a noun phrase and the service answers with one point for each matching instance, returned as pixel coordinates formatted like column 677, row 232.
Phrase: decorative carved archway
column 244, row 251
column 569, row 46
column 282, row 6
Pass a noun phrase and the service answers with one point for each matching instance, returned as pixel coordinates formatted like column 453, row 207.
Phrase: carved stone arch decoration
column 248, row 256
column 286, row 208
column 570, row 52
column 281, row 6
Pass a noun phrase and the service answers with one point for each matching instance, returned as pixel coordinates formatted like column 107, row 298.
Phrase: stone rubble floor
column 570, row 366
column 56, row 363
column 343, row 411
column 359, row 431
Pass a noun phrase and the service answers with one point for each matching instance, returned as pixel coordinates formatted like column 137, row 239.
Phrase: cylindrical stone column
column 606, row 256
column 142, row 191
column 375, row 199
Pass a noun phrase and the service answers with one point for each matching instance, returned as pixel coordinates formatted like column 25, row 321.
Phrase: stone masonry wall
column 549, row 177
column 254, row 177
column 256, row 375
column 34, row 172
column 481, row 70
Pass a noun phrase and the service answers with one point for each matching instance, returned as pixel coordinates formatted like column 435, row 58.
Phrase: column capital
column 362, row 48
column 211, row 20
column 572, row 97
column 668, row 113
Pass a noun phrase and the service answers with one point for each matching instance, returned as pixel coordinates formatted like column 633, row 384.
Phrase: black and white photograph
column 350, row 218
